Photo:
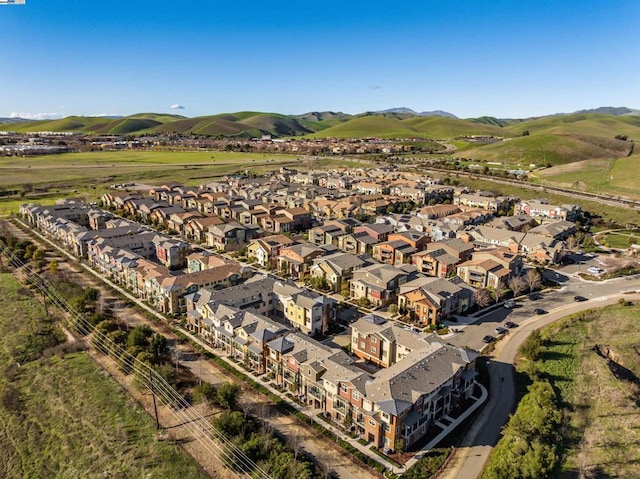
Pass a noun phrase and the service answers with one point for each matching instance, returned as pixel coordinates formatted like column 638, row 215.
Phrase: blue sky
column 502, row 58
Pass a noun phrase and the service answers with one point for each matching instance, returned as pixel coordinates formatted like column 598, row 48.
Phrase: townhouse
column 440, row 258
column 264, row 251
column 379, row 283
column 429, row 300
column 540, row 209
column 491, row 268
column 337, row 269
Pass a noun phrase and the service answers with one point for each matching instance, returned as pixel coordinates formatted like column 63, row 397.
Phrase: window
column 362, row 345
column 355, row 395
column 343, row 388
column 373, row 349
column 374, row 340
column 372, row 422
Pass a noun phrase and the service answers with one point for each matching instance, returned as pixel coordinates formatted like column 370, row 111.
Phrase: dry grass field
column 593, row 362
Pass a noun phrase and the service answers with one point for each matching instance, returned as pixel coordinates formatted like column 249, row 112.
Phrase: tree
column 399, row 446
column 53, row 266
column 158, row 345
column 497, row 293
column 204, row 393
column 364, row 302
column 587, row 242
column 228, row 395
column 393, row 309
column 517, row 285
column 482, row 297
column 572, row 242
column 533, row 280
column 138, row 336
column 38, row 255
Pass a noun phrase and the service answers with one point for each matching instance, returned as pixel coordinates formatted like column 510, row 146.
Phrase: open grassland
column 619, row 176
column 86, row 176
column 62, row 416
column 415, row 127
column 370, row 126
column 592, row 360
column 550, row 149
column 607, row 126
column 78, row 174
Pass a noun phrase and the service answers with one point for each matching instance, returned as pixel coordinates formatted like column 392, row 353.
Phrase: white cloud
column 36, row 116
column 177, row 106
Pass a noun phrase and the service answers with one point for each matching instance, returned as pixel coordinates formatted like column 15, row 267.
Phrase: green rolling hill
column 369, row 126
column 93, row 124
column 582, row 124
column 551, row 140
column 550, row 149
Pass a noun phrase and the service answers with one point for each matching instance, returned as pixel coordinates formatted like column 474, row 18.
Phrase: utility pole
column 153, row 393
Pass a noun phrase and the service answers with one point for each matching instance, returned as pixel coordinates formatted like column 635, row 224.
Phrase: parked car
column 510, row 324
column 500, row 330
column 580, row 299
column 539, row 311
column 510, row 303
column 488, row 339
column 535, row 296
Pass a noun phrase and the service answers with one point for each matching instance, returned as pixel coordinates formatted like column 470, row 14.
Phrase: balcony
column 316, row 393
column 340, row 407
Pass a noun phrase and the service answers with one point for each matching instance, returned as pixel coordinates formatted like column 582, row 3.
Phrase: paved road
column 470, row 458
column 471, row 334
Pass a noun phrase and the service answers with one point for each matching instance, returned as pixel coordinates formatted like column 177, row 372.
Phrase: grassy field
column 614, row 176
column 582, row 124
column 602, row 419
column 88, row 174
column 63, row 417
column 620, row 240
column 548, row 148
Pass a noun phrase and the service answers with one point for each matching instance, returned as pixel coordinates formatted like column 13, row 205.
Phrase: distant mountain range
column 409, row 111
column 14, row 119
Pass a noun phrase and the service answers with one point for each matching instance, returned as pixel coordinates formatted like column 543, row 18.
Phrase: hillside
column 550, row 149
column 582, row 124
column 387, row 126
column 95, row 124
column 439, row 127
column 369, row 126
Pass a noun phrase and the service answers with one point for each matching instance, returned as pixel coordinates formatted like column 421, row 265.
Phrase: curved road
column 470, row 458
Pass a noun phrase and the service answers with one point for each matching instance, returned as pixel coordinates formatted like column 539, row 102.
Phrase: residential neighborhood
column 263, row 268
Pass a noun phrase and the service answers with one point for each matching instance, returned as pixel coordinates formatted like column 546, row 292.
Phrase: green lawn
column 64, row 418
column 621, row 240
